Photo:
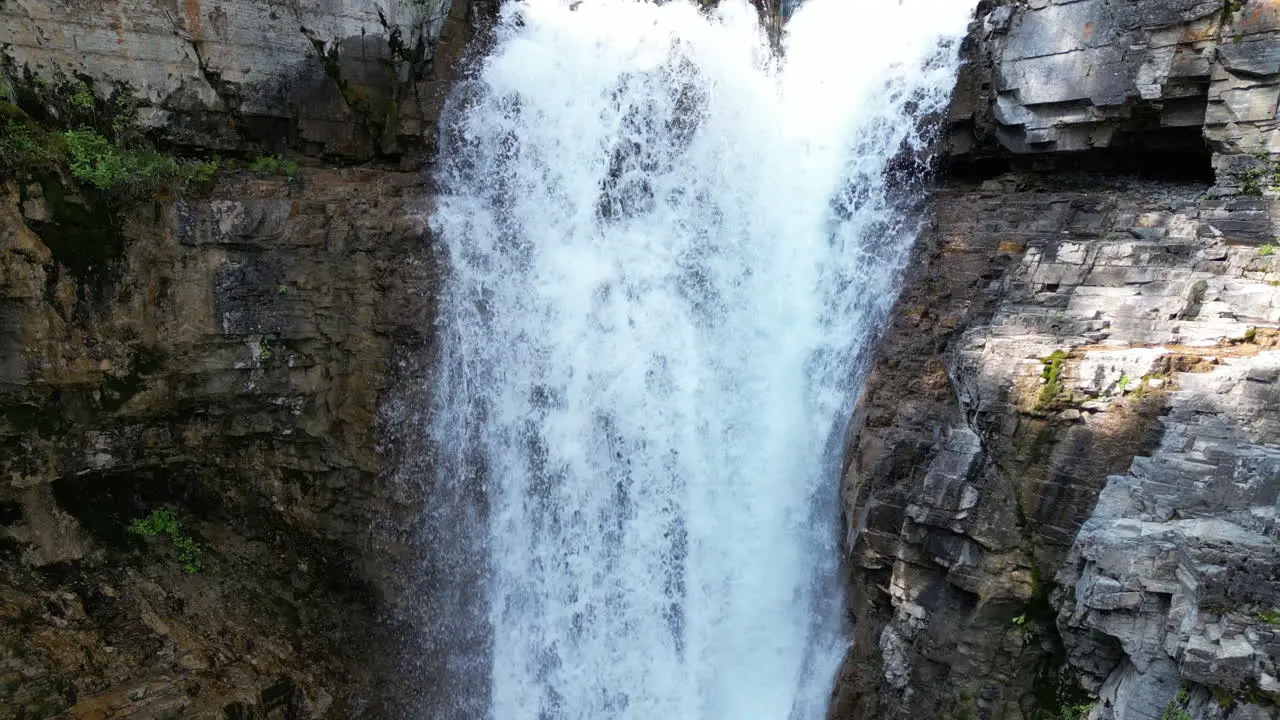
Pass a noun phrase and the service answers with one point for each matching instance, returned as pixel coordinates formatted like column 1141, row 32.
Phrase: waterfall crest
column 668, row 251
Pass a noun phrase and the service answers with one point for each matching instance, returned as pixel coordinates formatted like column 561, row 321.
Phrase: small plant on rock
column 1076, row 712
column 82, row 97
column 165, row 523
column 1249, row 183
column 274, row 165
column 1266, row 250
column 105, row 165
column 201, row 172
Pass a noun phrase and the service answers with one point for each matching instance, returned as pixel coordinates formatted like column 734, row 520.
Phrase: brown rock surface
column 219, row 351
column 231, row 370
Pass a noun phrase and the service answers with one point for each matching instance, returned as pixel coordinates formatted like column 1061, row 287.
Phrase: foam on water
column 668, row 251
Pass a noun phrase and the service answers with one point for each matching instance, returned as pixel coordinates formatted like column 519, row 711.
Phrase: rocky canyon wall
column 213, row 353
column 1062, row 480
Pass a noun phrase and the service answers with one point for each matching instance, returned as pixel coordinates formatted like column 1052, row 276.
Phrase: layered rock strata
column 220, row 352
column 1063, row 474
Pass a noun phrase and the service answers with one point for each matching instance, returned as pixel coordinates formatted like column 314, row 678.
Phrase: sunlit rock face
column 353, row 79
column 1062, row 479
column 1066, row 77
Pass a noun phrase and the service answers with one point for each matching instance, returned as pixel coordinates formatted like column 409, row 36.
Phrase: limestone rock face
column 1052, row 345
column 348, row 79
column 1050, row 76
column 1177, row 567
column 1062, row 478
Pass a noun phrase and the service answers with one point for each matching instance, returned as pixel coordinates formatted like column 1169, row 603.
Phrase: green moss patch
column 1053, row 385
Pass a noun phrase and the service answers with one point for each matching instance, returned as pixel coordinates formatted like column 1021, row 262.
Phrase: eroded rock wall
column 343, row 80
column 219, row 351
column 1062, row 482
column 1049, row 76
column 230, row 369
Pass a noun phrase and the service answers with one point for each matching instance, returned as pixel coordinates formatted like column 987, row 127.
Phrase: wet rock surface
column 1062, row 477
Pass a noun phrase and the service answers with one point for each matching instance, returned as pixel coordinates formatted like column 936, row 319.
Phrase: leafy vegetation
column 1177, row 707
column 1076, row 712
column 164, row 523
column 93, row 159
column 97, row 161
column 1269, row 617
column 1249, row 184
column 23, row 143
column 82, row 97
column 274, row 165
column 1267, row 249
column 64, row 125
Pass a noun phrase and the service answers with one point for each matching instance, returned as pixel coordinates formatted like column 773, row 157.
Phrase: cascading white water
column 668, row 251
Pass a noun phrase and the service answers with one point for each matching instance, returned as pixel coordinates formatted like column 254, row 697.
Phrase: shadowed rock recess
column 1062, row 477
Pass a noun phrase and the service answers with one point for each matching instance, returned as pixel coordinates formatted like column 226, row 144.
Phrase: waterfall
column 668, row 250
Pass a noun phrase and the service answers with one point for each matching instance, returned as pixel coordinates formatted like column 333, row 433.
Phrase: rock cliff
column 1062, row 477
column 196, row 513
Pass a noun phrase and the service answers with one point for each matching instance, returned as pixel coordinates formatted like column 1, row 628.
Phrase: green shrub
column 165, row 523
column 274, row 165
column 1267, row 249
column 159, row 522
column 23, row 143
column 200, row 172
column 97, row 161
column 82, row 97
column 92, row 159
